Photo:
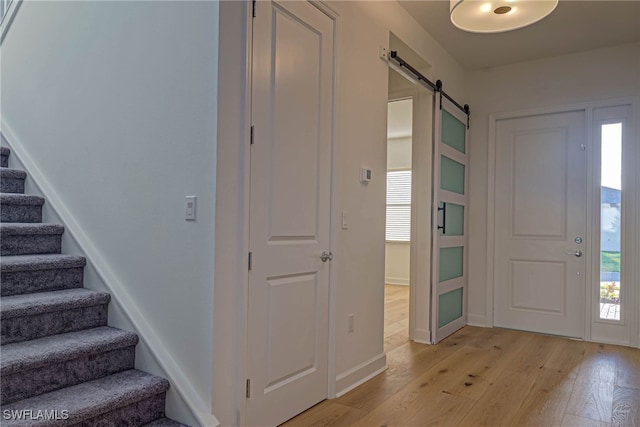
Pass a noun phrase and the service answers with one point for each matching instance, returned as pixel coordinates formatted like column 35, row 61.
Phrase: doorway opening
column 398, row 220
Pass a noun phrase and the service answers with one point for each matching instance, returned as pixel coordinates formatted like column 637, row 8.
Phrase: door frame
column 420, row 243
column 231, row 276
column 592, row 229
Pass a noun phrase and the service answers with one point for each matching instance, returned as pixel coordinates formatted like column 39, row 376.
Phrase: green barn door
column 450, row 211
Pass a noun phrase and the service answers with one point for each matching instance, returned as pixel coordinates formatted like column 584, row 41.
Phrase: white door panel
column 292, row 102
column 540, row 211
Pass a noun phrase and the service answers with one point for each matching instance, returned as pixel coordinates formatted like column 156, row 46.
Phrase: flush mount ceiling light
column 482, row 16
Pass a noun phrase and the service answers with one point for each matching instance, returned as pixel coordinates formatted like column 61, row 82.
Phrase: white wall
column 397, row 263
column 583, row 77
column 361, row 141
column 114, row 104
column 399, row 153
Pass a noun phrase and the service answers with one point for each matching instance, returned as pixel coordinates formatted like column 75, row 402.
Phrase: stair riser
column 12, row 185
column 21, row 213
column 28, row 282
column 33, row 382
column 26, row 328
column 25, row 244
column 134, row 415
column 4, row 161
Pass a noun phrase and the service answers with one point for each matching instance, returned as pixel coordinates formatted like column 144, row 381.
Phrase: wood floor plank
column 404, row 364
column 598, row 364
column 546, row 402
column 591, row 399
column 489, row 377
column 575, row 421
column 626, row 407
column 500, row 404
column 627, row 372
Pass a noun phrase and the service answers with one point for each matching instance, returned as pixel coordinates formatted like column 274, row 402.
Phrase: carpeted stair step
column 12, row 180
column 25, row 274
column 4, row 156
column 165, row 422
column 29, row 316
column 27, row 239
column 46, row 364
column 20, row 208
column 129, row 398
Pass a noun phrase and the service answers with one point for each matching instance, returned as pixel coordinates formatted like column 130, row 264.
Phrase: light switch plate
column 190, row 208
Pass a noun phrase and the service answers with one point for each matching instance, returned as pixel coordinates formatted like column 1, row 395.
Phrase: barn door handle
column 443, row 227
column 326, row 256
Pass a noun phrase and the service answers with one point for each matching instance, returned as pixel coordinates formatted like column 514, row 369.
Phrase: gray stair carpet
column 61, row 364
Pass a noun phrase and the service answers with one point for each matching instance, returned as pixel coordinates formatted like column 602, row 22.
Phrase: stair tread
column 93, row 398
column 40, row 262
column 46, row 302
column 39, row 352
column 20, row 199
column 12, row 173
column 164, row 422
column 18, row 228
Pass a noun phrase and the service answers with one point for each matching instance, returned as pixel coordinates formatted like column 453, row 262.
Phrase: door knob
column 326, row 256
column 577, row 253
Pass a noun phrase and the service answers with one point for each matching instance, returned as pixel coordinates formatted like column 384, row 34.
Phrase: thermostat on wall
column 365, row 175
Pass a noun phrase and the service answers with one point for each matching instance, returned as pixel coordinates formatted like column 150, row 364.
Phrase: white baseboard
column 119, row 293
column 422, row 336
column 360, row 374
column 396, row 281
column 476, row 320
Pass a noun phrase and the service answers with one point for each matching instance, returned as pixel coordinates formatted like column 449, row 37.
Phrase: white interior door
column 540, row 224
column 449, row 225
column 292, row 101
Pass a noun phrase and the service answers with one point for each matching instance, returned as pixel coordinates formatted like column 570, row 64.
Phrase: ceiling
column 574, row 26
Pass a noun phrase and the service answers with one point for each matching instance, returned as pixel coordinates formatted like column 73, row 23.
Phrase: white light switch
column 190, row 208
column 345, row 224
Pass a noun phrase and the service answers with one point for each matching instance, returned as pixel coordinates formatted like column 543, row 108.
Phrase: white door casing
column 540, row 211
column 288, row 296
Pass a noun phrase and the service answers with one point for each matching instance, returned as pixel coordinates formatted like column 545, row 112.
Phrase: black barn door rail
column 437, row 86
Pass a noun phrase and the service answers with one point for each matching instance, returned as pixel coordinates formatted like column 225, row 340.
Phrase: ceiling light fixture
column 482, row 16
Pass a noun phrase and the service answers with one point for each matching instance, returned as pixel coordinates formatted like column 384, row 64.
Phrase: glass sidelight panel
column 450, row 307
column 453, row 131
column 451, row 219
column 610, row 221
column 451, row 263
column 451, row 175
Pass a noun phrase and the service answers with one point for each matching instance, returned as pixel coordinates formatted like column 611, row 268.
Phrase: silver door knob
column 577, row 253
column 326, row 256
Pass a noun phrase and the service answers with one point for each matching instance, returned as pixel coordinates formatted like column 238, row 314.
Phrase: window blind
column 398, row 206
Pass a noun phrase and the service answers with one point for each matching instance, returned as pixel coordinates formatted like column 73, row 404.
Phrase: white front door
column 540, row 224
column 288, row 310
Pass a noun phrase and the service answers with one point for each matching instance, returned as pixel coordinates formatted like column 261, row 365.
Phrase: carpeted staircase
column 59, row 359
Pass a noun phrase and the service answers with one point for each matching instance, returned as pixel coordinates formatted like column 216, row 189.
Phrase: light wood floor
column 489, row 377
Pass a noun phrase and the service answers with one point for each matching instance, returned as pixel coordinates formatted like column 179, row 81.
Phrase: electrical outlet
column 351, row 322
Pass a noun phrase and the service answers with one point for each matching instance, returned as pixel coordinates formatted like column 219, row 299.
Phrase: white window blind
column 398, row 206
